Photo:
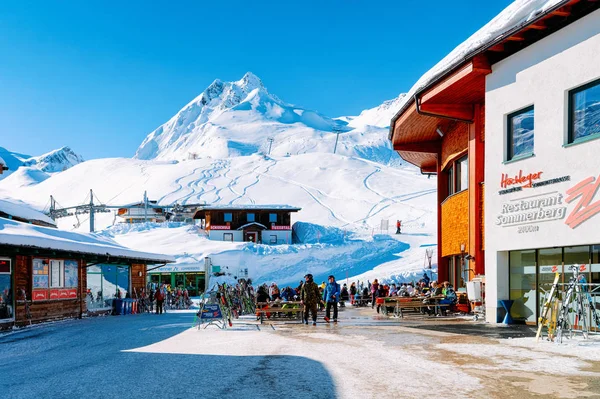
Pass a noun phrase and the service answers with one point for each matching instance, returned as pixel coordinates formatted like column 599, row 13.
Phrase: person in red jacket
column 160, row 299
column 398, row 227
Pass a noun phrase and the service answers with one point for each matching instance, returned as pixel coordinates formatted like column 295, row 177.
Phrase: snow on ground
column 364, row 356
column 351, row 195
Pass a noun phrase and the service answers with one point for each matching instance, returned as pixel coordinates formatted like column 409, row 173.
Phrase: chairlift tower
column 337, row 132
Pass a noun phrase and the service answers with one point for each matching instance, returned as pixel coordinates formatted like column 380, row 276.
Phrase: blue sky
column 98, row 76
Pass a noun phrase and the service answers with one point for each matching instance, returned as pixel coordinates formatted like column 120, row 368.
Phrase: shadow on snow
column 85, row 358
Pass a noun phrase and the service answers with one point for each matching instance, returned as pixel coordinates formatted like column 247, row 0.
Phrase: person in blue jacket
column 331, row 296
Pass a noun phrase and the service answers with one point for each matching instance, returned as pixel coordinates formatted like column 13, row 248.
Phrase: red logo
column 527, row 180
column 582, row 268
column 585, row 209
column 554, row 269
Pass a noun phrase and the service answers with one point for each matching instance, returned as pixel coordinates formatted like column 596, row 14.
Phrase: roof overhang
column 450, row 96
column 32, row 250
column 418, row 132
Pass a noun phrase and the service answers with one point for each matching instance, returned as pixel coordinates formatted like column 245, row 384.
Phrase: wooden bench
column 403, row 303
column 293, row 307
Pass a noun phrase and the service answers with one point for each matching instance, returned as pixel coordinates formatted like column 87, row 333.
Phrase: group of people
column 432, row 291
column 312, row 297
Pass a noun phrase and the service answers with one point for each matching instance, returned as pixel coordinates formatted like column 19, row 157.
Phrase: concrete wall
column 540, row 75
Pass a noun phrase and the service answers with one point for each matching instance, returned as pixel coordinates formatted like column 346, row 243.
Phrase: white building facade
column 542, row 168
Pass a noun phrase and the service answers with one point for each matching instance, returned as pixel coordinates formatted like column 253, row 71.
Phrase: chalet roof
column 23, row 235
column 19, row 209
column 512, row 19
column 270, row 207
column 251, row 224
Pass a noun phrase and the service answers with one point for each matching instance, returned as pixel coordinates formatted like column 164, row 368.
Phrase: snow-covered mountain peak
column 250, row 81
column 55, row 161
column 379, row 116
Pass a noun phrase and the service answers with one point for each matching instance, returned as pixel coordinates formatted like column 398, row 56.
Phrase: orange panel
column 455, row 223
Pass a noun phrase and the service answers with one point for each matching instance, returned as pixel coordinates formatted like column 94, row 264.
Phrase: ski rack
column 211, row 299
column 570, row 308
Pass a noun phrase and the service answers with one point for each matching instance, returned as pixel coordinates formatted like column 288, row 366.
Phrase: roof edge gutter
column 469, row 56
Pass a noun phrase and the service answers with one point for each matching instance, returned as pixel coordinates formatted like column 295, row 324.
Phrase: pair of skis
column 547, row 307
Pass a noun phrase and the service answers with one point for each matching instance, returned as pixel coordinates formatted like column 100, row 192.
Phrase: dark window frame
column 510, row 152
column 452, row 177
column 571, row 119
column 276, row 217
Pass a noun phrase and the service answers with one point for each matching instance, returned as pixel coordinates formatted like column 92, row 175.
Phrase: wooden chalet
column 266, row 224
column 17, row 210
column 48, row 274
column 139, row 212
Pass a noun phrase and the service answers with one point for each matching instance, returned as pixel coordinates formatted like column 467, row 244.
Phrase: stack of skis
column 565, row 314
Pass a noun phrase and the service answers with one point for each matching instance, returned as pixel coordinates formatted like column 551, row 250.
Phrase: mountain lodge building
column 266, row 224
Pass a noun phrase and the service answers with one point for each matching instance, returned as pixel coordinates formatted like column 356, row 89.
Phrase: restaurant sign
column 217, row 227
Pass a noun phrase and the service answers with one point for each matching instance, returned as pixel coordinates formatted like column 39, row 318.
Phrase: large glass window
column 105, row 282
column 227, row 217
column 250, row 217
column 6, row 294
column 549, row 263
column 462, row 174
column 272, row 218
column 520, row 133
column 584, row 112
column 523, row 285
column 452, row 271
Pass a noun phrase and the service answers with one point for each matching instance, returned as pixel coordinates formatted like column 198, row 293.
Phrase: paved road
column 363, row 356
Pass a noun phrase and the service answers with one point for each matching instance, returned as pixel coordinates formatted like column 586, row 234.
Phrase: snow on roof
column 249, row 207
column 27, row 235
column 252, row 223
column 515, row 16
column 21, row 210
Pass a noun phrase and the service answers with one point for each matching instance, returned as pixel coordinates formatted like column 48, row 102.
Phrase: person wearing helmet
column 309, row 297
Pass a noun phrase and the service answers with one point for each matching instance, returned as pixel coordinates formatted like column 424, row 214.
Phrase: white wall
column 540, row 75
column 283, row 236
column 217, row 235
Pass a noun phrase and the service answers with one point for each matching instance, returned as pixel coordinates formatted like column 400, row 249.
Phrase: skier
column 331, row 295
column 309, row 297
column 398, row 227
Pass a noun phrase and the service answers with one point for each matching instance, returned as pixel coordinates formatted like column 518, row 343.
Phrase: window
column 584, row 112
column 227, row 217
column 458, row 175
column 6, row 300
column 250, row 217
column 462, row 173
column 57, row 273
column 272, row 218
column 273, row 239
column 228, row 237
column 522, row 283
column 451, row 180
column 520, row 134
column 105, row 282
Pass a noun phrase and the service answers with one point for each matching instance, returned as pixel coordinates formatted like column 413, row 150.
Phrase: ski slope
column 349, row 194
